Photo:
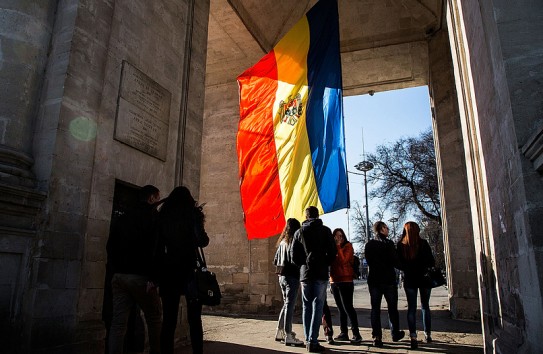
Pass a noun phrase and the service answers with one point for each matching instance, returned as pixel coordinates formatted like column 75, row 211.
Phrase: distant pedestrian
column 180, row 233
column 289, row 281
column 130, row 256
column 416, row 257
column 314, row 250
column 342, row 285
column 382, row 259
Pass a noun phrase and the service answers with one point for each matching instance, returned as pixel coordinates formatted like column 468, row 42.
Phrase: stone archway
column 480, row 59
column 455, row 48
column 391, row 49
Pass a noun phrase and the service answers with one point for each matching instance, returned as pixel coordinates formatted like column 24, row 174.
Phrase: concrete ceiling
column 383, row 42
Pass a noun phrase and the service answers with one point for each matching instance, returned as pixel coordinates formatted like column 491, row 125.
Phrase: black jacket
column 313, row 249
column 414, row 269
column 381, row 256
column 131, row 243
column 179, row 236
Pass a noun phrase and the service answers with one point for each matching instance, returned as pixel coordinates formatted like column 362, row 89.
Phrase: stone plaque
column 143, row 111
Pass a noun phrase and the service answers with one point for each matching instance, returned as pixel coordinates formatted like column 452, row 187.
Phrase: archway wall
column 79, row 154
column 244, row 268
column 496, row 53
column 453, row 187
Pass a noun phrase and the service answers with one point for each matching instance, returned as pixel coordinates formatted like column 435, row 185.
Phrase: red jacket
column 341, row 269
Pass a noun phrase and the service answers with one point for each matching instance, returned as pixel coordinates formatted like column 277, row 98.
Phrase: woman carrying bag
column 415, row 256
column 180, row 233
column 289, row 281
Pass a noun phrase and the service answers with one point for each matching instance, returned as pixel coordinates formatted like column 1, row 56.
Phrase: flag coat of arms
column 291, row 140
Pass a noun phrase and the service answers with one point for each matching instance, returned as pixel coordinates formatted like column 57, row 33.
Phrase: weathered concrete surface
column 240, row 334
column 453, row 188
column 492, row 62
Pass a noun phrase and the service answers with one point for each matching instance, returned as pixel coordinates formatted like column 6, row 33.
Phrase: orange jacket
column 341, row 269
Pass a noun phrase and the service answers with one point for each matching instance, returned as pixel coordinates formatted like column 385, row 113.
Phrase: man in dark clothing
column 382, row 259
column 130, row 255
column 313, row 250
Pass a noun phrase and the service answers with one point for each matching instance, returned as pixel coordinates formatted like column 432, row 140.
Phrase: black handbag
column 434, row 278
column 204, row 287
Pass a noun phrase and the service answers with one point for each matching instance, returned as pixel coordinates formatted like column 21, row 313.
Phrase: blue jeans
column 313, row 296
column 289, row 288
column 390, row 292
column 411, row 294
column 343, row 295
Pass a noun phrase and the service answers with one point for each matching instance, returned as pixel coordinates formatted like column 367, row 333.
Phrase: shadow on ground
column 400, row 347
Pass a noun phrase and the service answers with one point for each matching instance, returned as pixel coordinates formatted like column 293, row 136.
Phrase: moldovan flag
column 291, row 140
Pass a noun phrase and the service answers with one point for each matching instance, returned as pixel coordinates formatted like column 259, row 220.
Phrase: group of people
column 311, row 255
column 151, row 261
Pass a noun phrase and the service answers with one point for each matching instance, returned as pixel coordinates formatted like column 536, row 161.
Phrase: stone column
column 25, row 28
column 451, row 163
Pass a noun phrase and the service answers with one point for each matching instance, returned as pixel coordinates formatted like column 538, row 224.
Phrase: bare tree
column 405, row 177
column 358, row 216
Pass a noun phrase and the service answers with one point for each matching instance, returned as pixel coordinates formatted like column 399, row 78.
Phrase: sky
column 382, row 118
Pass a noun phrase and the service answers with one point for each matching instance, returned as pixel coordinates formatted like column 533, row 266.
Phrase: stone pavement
column 255, row 334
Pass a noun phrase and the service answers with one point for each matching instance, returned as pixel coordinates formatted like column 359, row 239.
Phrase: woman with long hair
column 342, row 285
column 416, row 257
column 180, row 233
column 289, row 281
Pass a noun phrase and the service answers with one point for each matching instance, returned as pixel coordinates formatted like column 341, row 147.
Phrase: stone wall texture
column 74, row 51
column 496, row 53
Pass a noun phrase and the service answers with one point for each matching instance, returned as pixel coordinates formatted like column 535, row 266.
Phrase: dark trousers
column 343, row 295
column 128, row 290
column 390, row 292
column 171, row 296
column 327, row 320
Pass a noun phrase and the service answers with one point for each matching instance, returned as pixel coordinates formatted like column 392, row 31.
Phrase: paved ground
column 238, row 334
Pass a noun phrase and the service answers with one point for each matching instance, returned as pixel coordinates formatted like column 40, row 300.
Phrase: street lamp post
column 365, row 166
column 393, row 220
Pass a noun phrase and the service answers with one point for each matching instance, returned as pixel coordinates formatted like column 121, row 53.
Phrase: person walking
column 289, row 281
column 314, row 250
column 382, row 259
column 133, row 282
column 416, row 257
column 180, row 233
column 342, row 285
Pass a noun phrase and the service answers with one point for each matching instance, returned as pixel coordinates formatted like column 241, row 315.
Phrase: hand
column 150, row 286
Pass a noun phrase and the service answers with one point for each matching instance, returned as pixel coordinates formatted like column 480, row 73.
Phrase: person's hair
column 312, row 212
column 180, row 202
column 377, row 227
column 291, row 227
column 340, row 230
column 410, row 239
column 146, row 192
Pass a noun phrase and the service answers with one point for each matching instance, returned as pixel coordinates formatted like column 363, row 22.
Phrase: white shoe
column 290, row 339
column 279, row 335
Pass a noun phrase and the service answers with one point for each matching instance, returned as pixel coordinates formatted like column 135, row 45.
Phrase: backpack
column 356, row 267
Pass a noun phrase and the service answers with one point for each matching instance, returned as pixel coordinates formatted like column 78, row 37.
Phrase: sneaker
column 330, row 340
column 290, row 339
column 428, row 338
column 315, row 348
column 398, row 336
column 342, row 337
column 357, row 339
column 279, row 335
column 414, row 343
column 377, row 342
